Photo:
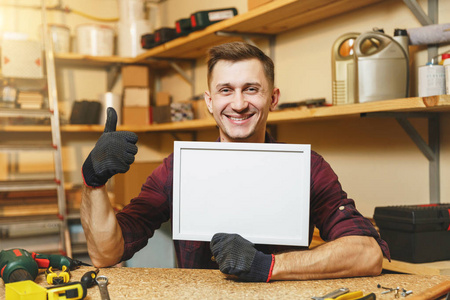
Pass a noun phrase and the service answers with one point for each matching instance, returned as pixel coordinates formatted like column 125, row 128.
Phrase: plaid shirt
column 330, row 211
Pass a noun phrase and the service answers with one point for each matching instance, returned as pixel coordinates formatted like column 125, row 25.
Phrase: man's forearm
column 345, row 257
column 103, row 234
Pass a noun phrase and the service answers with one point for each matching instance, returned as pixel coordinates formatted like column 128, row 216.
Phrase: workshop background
column 377, row 162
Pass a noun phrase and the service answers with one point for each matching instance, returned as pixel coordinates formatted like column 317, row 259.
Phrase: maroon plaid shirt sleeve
column 145, row 213
column 332, row 212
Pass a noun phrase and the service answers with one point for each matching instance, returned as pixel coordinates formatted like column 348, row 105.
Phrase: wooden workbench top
column 150, row 283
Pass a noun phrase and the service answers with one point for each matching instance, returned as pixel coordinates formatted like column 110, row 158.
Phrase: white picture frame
column 258, row 190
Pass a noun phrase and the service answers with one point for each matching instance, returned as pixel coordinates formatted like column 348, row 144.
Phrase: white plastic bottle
column 431, row 80
column 447, row 75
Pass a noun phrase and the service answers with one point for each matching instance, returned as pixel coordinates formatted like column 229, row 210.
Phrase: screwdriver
column 88, row 279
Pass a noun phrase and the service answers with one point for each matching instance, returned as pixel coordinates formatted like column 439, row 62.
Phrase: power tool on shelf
column 19, row 264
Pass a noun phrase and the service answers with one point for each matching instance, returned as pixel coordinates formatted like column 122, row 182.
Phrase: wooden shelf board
column 25, row 113
column 27, row 185
column 25, row 128
column 432, row 268
column 272, row 18
column 88, row 60
column 415, row 104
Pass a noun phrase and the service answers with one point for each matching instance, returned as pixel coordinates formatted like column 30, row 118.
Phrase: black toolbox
column 415, row 233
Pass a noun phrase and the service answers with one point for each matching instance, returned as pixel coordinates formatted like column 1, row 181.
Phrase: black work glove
column 237, row 256
column 113, row 153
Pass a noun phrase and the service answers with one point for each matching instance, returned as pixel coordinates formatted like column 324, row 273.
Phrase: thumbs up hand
column 113, row 153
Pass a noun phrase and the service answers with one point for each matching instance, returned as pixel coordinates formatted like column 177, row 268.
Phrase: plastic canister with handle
column 382, row 68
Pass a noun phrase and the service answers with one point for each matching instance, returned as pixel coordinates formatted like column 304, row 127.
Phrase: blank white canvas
column 258, row 190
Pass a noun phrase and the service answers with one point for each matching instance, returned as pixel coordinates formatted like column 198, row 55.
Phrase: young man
column 241, row 94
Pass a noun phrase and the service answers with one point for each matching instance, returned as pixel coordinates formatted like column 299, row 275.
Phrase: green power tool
column 19, row 264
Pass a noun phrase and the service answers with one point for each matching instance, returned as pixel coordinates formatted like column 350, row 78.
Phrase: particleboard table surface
column 151, row 283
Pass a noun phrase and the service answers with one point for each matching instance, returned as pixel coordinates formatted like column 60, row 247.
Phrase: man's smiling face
column 240, row 99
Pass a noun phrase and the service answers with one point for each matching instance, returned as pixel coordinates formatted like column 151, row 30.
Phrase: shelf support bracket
column 189, row 78
column 112, row 76
column 417, row 10
column 247, row 37
column 424, row 19
column 430, row 150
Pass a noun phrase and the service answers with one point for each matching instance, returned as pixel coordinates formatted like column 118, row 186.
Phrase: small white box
column 22, row 59
column 258, row 190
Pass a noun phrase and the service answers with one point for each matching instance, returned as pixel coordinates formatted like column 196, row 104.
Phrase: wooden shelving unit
column 269, row 19
column 415, row 104
column 272, row 18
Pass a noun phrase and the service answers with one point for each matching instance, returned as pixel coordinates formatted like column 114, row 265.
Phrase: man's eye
column 251, row 89
column 225, row 90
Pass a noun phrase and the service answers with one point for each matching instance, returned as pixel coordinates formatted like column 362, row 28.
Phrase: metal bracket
column 424, row 19
column 112, row 76
column 247, row 36
column 189, row 78
column 430, row 149
column 417, row 10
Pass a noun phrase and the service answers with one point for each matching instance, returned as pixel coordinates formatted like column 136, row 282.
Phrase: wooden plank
column 432, row 268
column 277, row 17
column 88, row 60
column 271, row 18
column 429, row 104
column 322, row 12
column 8, row 211
column 414, row 104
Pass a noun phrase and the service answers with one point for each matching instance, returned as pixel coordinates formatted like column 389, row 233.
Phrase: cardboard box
column 255, row 3
column 200, row 110
column 128, row 185
column 161, row 114
column 135, row 76
column 162, row 99
column 136, row 97
column 136, row 115
column 22, row 59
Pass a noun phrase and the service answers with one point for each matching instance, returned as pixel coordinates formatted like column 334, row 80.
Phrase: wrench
column 102, row 282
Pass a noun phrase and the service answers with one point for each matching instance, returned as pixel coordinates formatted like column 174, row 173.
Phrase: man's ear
column 275, row 99
column 208, row 101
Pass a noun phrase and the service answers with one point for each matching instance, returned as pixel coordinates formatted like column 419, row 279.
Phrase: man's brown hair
column 238, row 51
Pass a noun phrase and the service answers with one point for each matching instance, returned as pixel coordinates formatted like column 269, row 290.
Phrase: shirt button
column 341, row 207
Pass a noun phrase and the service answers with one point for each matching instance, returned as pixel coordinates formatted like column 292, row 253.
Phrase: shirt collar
column 268, row 138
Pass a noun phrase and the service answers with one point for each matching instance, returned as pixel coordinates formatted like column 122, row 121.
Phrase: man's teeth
column 239, row 119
